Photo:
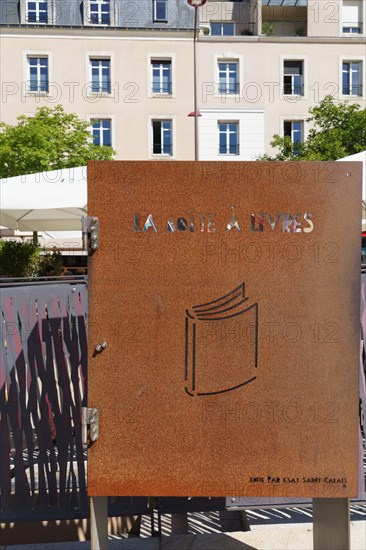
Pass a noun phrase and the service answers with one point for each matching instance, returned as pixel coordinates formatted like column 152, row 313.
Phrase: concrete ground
column 261, row 537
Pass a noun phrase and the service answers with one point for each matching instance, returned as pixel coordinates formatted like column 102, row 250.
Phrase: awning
column 47, row 201
column 295, row 3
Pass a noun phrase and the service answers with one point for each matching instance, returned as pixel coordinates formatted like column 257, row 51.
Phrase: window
column 160, row 10
column 228, row 138
column 102, row 132
column 295, row 130
column 293, row 83
column 356, row 29
column 36, row 12
column 228, row 77
column 352, row 78
column 101, row 75
column 222, row 29
column 99, row 12
column 161, row 76
column 352, row 17
column 38, row 74
column 162, row 137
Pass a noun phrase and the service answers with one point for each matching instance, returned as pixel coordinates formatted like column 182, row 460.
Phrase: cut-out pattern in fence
column 42, row 389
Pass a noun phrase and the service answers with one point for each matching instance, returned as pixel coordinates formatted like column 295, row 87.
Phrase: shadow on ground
column 203, row 542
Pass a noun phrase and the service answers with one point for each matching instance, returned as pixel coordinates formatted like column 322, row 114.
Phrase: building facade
column 262, row 65
column 127, row 67
column 120, row 65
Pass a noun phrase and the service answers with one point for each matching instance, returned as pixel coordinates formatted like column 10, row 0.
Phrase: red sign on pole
column 196, row 3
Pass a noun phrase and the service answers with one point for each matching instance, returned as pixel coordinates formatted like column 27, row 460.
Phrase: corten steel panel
column 232, row 358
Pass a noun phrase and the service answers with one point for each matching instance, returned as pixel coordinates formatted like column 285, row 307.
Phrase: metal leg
column 99, row 523
column 180, row 524
column 331, row 524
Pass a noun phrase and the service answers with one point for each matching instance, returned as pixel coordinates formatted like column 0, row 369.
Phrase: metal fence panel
column 43, row 387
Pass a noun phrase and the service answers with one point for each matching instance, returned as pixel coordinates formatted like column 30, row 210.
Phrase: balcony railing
column 38, row 86
column 229, row 88
column 161, row 88
column 101, row 87
column 293, row 89
column 96, row 19
column 352, row 90
column 352, row 28
column 163, row 149
column 208, row 28
column 229, row 149
column 42, row 18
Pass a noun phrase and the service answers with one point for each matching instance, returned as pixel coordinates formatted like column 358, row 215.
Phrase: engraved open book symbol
column 221, row 344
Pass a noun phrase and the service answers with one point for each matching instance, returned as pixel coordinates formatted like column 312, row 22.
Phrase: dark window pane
column 293, row 67
column 287, row 128
column 160, row 10
column 157, row 137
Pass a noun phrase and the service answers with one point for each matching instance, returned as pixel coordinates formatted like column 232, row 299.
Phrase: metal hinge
column 89, row 417
column 90, row 230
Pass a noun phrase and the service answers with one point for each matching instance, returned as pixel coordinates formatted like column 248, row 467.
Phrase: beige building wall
column 324, row 18
column 261, row 62
column 131, row 106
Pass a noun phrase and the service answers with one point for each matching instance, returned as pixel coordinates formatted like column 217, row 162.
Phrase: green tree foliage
column 19, row 259
column 50, row 261
column 337, row 130
column 50, row 140
column 25, row 259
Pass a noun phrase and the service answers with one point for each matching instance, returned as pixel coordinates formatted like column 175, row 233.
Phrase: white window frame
column 227, row 78
column 100, row 80
column 352, row 59
column 229, row 57
column 163, row 132
column 103, row 116
column 228, row 122
column 27, row 54
column 294, row 97
column 294, row 118
column 101, row 138
column 292, row 121
column 155, row 19
column 292, row 77
column 24, row 13
column 87, row 14
column 161, row 77
column 350, row 73
column 103, row 56
column 151, row 57
column 162, row 156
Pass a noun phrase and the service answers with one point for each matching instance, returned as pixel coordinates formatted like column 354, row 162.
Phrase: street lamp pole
column 195, row 4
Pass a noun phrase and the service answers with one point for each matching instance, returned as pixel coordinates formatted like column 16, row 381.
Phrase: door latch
column 89, row 417
column 90, row 231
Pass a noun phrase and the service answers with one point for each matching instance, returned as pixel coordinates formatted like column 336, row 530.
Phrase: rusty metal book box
column 224, row 328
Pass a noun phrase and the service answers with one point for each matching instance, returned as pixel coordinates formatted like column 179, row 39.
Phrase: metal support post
column 195, row 86
column 180, row 524
column 99, row 523
column 331, row 524
column 258, row 17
